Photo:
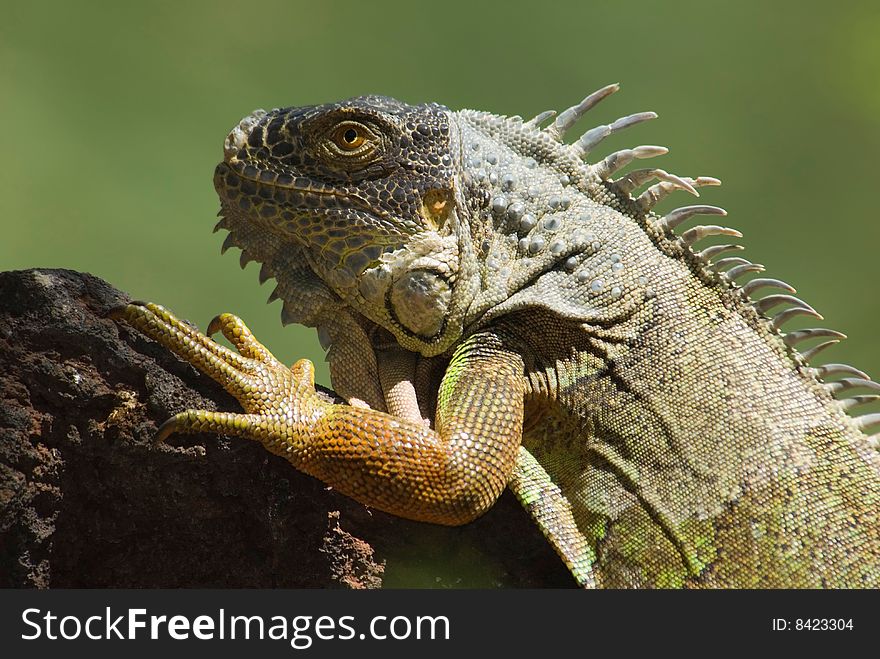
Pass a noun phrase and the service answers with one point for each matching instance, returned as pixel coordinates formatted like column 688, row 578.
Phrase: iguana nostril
column 238, row 136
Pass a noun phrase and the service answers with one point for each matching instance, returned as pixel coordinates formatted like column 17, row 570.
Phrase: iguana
column 501, row 313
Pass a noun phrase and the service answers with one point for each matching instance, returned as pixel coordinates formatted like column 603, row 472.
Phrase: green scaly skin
column 559, row 338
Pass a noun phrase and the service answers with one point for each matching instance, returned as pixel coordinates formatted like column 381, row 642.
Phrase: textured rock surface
column 86, row 500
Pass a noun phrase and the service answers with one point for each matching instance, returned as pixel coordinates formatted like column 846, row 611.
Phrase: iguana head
column 429, row 222
column 363, row 192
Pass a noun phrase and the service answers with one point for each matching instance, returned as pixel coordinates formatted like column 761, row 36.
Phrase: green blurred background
column 114, row 115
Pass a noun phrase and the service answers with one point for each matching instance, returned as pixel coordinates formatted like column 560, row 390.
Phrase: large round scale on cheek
column 420, row 300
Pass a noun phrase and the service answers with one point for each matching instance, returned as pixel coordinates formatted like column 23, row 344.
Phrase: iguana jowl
column 501, row 313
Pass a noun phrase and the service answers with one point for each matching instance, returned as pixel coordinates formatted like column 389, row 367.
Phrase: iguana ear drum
column 436, row 205
column 419, row 301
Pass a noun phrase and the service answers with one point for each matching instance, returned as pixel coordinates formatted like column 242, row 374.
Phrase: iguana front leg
column 396, row 369
column 449, row 475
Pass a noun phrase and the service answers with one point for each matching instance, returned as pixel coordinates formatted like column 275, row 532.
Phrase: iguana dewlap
column 500, row 312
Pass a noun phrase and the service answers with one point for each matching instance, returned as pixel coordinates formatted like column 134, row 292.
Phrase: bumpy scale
column 500, row 313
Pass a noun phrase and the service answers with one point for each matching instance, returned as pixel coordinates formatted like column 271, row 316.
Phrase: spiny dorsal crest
column 725, row 271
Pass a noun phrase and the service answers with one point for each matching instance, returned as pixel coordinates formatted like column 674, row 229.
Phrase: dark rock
column 87, row 500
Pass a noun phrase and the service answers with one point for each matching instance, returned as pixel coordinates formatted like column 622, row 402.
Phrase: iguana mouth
column 245, row 186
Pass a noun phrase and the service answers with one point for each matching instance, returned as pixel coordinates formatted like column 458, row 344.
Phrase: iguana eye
column 349, row 137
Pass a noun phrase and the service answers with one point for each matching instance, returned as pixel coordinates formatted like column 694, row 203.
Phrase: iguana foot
column 276, row 399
